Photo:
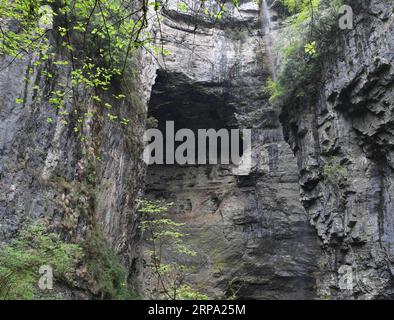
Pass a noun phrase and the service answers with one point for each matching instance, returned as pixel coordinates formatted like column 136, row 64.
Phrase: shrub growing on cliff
column 104, row 266
column 34, row 247
column 302, row 46
column 91, row 41
column 165, row 236
column 334, row 172
column 95, row 44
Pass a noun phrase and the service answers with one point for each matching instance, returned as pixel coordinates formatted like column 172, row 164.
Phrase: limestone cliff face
column 47, row 172
column 344, row 147
column 250, row 232
column 255, row 235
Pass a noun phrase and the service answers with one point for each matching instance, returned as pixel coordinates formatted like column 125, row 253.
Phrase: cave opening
column 194, row 106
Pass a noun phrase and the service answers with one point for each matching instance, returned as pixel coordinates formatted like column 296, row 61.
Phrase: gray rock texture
column 47, row 172
column 251, row 232
column 258, row 235
column 344, row 147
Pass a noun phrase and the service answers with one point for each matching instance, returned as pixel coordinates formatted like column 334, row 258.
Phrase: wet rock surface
column 47, row 173
column 255, row 235
column 250, row 232
column 344, row 147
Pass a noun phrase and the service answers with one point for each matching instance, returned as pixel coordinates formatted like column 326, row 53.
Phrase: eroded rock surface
column 251, row 232
column 344, row 146
column 48, row 173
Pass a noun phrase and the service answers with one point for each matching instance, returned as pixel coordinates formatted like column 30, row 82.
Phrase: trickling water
column 266, row 26
column 266, row 16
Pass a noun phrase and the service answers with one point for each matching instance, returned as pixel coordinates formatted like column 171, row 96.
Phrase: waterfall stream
column 266, row 18
column 266, row 26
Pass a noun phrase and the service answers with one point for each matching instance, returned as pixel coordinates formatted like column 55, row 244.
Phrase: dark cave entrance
column 194, row 190
column 190, row 105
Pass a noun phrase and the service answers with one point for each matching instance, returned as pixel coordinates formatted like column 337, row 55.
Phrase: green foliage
column 26, row 32
column 97, row 40
column 302, row 8
column 32, row 248
column 294, row 6
column 166, row 236
column 152, row 122
column 104, row 266
column 274, row 90
column 94, row 41
column 333, row 171
column 310, row 49
column 303, row 45
column 182, row 6
column 186, row 292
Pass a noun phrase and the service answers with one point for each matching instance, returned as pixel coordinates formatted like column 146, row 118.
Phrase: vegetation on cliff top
column 303, row 45
column 84, row 49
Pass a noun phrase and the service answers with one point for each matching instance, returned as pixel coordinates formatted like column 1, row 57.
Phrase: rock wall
column 344, row 147
column 253, row 236
column 47, row 172
column 250, row 232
